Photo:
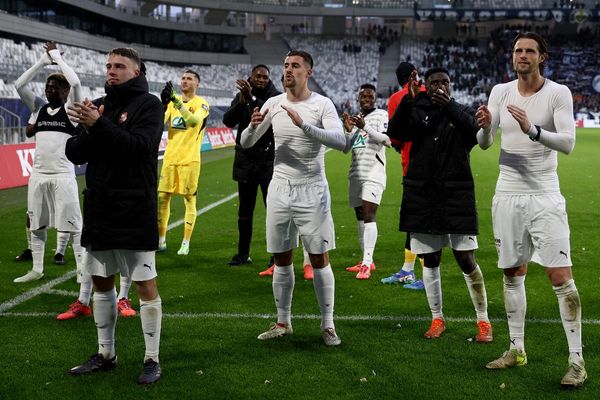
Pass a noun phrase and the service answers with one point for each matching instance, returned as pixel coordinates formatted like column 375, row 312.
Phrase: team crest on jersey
column 123, row 117
column 191, row 109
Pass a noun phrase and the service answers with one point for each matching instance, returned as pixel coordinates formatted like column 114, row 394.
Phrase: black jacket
column 256, row 163
column 121, row 149
column 439, row 192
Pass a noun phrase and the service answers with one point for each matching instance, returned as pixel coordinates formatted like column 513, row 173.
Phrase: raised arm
column 259, row 124
column 76, row 92
column 488, row 120
column 563, row 139
column 332, row 134
column 32, row 101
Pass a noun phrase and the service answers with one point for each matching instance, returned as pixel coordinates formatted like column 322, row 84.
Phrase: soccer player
column 298, row 201
column 406, row 275
column 52, row 194
column 529, row 215
column 120, row 145
column 438, row 200
column 253, row 167
column 187, row 115
column 367, row 178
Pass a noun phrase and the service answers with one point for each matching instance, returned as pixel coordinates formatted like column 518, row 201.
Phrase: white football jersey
column 368, row 155
column 528, row 167
column 53, row 128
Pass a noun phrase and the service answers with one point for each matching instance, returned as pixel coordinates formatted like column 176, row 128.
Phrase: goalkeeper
column 186, row 115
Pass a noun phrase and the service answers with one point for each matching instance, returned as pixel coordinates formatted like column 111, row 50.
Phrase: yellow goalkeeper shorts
column 179, row 179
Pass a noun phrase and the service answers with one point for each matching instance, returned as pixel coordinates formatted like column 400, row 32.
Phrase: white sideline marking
column 49, row 286
column 378, row 318
column 35, row 291
column 60, row 292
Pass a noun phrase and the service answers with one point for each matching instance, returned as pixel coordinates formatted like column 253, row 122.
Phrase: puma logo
column 563, row 253
column 148, row 266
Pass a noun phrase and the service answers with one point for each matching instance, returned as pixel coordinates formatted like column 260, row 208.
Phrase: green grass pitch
column 214, row 312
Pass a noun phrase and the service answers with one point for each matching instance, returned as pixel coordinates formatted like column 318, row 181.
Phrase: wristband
column 534, row 132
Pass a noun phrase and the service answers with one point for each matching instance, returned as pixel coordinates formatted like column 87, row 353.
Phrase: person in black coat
column 438, row 201
column 253, row 167
column 120, row 145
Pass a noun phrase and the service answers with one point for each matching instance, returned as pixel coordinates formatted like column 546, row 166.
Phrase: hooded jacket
column 121, row 149
column 439, row 192
column 256, row 163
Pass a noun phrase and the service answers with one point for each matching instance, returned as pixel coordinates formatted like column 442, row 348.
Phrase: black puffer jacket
column 256, row 163
column 121, row 149
column 439, row 192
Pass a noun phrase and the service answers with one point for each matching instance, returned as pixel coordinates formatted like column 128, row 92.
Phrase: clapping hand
column 167, row 93
column 257, row 117
column 484, row 117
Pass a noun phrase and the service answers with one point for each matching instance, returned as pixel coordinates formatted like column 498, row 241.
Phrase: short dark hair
column 257, row 66
column 129, row 53
column 403, row 72
column 367, row 86
column 542, row 46
column 435, row 70
column 191, row 71
column 60, row 79
column 301, row 53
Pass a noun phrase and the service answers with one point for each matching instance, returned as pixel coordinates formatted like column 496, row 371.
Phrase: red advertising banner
column 16, row 162
column 220, row 137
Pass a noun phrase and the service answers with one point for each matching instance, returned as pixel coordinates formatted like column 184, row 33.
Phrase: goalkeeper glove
column 167, row 94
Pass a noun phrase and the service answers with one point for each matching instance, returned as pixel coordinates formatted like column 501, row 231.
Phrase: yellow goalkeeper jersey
column 185, row 140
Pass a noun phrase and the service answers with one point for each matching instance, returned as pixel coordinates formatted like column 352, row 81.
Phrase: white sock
column 38, row 244
column 185, row 242
column 62, row 240
column 124, row 285
column 361, row 234
column 515, row 304
column 306, row 257
column 569, row 305
column 162, row 240
column 85, row 288
column 28, row 233
column 283, row 290
column 369, row 241
column 83, row 278
column 151, row 316
column 78, row 251
column 105, row 316
column 478, row 294
column 324, row 283
column 433, row 290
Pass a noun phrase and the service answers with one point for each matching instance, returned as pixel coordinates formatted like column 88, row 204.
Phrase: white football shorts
column 139, row 265
column 53, row 202
column 531, row 228
column 425, row 243
column 299, row 209
column 364, row 190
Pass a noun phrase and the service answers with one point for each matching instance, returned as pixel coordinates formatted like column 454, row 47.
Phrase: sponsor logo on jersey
column 360, row 142
column 51, row 124
column 178, row 123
